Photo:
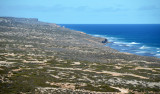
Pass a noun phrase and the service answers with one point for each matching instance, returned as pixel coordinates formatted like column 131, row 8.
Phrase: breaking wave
column 132, row 47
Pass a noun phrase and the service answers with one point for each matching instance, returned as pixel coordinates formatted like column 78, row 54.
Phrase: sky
column 85, row 11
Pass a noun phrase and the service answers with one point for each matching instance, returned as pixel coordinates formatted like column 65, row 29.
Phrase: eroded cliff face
column 43, row 58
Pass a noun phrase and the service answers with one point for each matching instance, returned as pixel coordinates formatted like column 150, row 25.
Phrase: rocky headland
column 42, row 58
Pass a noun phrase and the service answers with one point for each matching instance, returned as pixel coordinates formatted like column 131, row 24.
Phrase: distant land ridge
column 19, row 19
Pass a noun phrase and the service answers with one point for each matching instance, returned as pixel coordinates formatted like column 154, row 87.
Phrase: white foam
column 144, row 47
column 123, row 43
column 157, row 55
column 129, row 45
column 102, row 36
column 118, row 42
column 110, row 39
column 141, row 52
column 97, row 35
column 134, row 43
column 133, row 47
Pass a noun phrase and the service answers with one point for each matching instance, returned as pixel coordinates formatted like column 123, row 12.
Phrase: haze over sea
column 140, row 39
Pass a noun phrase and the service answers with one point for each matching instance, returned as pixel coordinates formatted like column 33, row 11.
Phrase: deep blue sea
column 140, row 39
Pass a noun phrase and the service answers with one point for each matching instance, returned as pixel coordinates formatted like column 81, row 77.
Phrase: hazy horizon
column 85, row 12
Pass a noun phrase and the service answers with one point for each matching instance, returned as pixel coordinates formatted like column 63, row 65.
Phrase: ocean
column 139, row 39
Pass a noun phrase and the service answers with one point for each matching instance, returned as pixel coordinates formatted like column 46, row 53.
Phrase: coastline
column 39, row 57
column 119, row 43
column 131, row 47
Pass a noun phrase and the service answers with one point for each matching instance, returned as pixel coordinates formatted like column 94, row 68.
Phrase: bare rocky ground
column 43, row 58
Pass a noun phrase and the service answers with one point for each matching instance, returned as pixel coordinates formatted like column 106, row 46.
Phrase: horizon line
column 78, row 23
column 112, row 23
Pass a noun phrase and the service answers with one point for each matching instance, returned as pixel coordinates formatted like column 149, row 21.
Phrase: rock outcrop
column 105, row 41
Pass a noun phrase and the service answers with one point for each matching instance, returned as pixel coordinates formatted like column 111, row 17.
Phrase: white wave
column 134, row 43
column 141, row 49
column 129, row 45
column 127, row 42
column 141, row 52
column 144, row 47
column 102, row 36
column 118, row 42
column 157, row 55
column 123, row 44
column 96, row 35
column 110, row 39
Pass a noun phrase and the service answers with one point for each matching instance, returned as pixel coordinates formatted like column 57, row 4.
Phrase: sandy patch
column 81, row 91
column 112, row 73
column 122, row 74
column 5, row 63
column 35, row 62
column 76, row 63
column 86, row 78
column 10, row 54
column 60, row 60
column 152, row 69
column 137, row 76
column 126, row 53
column 143, row 68
column 25, row 75
column 107, row 72
column 117, row 67
column 28, row 45
column 17, row 69
column 122, row 90
column 63, row 85
column 55, row 76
